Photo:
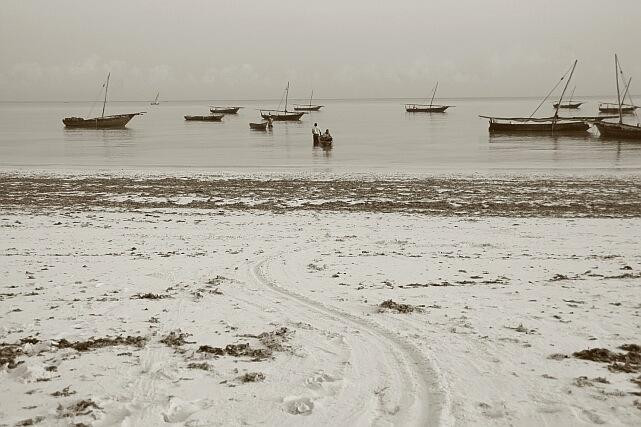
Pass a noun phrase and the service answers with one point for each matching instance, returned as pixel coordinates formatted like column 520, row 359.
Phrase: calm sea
column 369, row 136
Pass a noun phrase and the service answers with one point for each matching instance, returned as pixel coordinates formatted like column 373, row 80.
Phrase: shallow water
column 370, row 136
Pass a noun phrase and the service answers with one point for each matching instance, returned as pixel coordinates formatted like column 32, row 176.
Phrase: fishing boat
column 569, row 104
column 543, row 125
column 427, row 108
column 224, row 110
column 325, row 139
column 258, row 126
column 613, row 108
column 114, row 121
column 209, row 118
column 308, row 107
column 155, row 101
column 620, row 130
column 282, row 115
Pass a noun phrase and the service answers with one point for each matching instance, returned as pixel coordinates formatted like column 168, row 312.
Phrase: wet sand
column 199, row 302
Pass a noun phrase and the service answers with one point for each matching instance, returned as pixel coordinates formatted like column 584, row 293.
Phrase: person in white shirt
column 316, row 132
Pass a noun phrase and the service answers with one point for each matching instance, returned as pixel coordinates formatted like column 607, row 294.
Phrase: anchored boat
column 545, row 125
column 224, row 110
column 308, row 107
column 209, row 118
column 114, row 121
column 620, row 130
column 427, row 108
column 155, row 101
column 282, row 115
column 568, row 104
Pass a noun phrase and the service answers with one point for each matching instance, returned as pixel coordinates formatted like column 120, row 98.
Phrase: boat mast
column 572, row 95
column 616, row 71
column 433, row 94
column 310, row 98
column 286, row 95
column 106, row 89
column 157, row 95
column 556, row 113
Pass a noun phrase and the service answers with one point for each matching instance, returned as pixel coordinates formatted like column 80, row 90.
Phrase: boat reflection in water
column 124, row 135
column 323, row 148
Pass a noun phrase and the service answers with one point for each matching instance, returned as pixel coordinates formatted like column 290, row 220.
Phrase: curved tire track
column 422, row 400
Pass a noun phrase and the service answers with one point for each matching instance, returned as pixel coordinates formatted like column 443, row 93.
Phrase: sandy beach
column 232, row 315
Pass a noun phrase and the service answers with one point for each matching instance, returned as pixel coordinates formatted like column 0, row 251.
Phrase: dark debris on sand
column 252, row 377
column 398, row 307
column 273, row 340
column 150, row 295
column 629, row 362
column 81, row 407
column 176, row 339
column 31, row 421
column 94, row 343
column 237, row 350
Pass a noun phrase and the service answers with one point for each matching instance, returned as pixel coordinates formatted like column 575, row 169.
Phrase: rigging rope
column 550, row 92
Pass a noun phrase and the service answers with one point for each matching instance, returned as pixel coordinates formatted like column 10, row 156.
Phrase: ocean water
column 369, row 136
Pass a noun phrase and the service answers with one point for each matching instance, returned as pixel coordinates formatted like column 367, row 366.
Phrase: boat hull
column 571, row 105
column 427, row 109
column 229, row 110
column 210, row 118
column 618, row 130
column 308, row 107
column 540, row 128
column 107, row 122
column 282, row 117
column 258, row 126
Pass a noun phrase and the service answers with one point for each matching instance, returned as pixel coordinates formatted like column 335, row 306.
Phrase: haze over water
column 370, row 136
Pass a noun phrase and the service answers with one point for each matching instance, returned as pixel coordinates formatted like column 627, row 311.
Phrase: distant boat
column 427, row 108
column 568, row 104
column 103, row 122
column 621, row 106
column 544, row 125
column 282, row 115
column 155, row 101
column 224, row 110
column 619, row 130
column 209, row 118
column 308, row 107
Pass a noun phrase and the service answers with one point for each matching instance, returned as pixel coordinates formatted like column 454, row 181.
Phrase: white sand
column 476, row 354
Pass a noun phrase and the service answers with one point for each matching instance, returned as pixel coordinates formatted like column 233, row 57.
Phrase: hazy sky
column 241, row 49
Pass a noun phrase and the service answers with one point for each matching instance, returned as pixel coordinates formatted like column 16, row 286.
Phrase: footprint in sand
column 298, row 405
column 318, row 380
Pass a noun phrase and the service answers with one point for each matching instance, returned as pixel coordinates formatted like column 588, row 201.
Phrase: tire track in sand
column 411, row 381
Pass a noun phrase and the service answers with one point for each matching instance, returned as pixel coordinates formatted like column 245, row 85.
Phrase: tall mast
column 556, row 112
column 310, row 98
column 286, row 95
column 106, row 89
column 433, row 94
column 616, row 71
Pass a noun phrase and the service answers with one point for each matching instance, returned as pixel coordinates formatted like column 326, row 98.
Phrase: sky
column 62, row 50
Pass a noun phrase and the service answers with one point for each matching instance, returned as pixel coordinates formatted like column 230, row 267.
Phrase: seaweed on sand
column 94, row 343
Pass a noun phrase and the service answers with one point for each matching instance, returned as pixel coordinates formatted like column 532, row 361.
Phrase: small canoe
column 209, row 118
column 564, row 128
column 258, row 126
column 618, row 130
column 325, row 139
column 107, row 122
column 570, row 105
column 419, row 108
column 224, row 110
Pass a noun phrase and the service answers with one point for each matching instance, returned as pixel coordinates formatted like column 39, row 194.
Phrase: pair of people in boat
column 316, row 133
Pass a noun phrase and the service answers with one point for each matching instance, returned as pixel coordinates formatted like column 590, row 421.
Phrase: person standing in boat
column 316, row 132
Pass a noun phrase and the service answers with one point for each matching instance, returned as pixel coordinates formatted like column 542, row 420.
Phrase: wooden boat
column 209, row 118
column 569, row 104
column 155, row 101
column 620, row 130
column 427, row 108
column 325, row 139
column 544, row 125
column 224, row 110
column 103, row 122
column 282, row 115
column 308, row 107
column 258, row 126
column 611, row 108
